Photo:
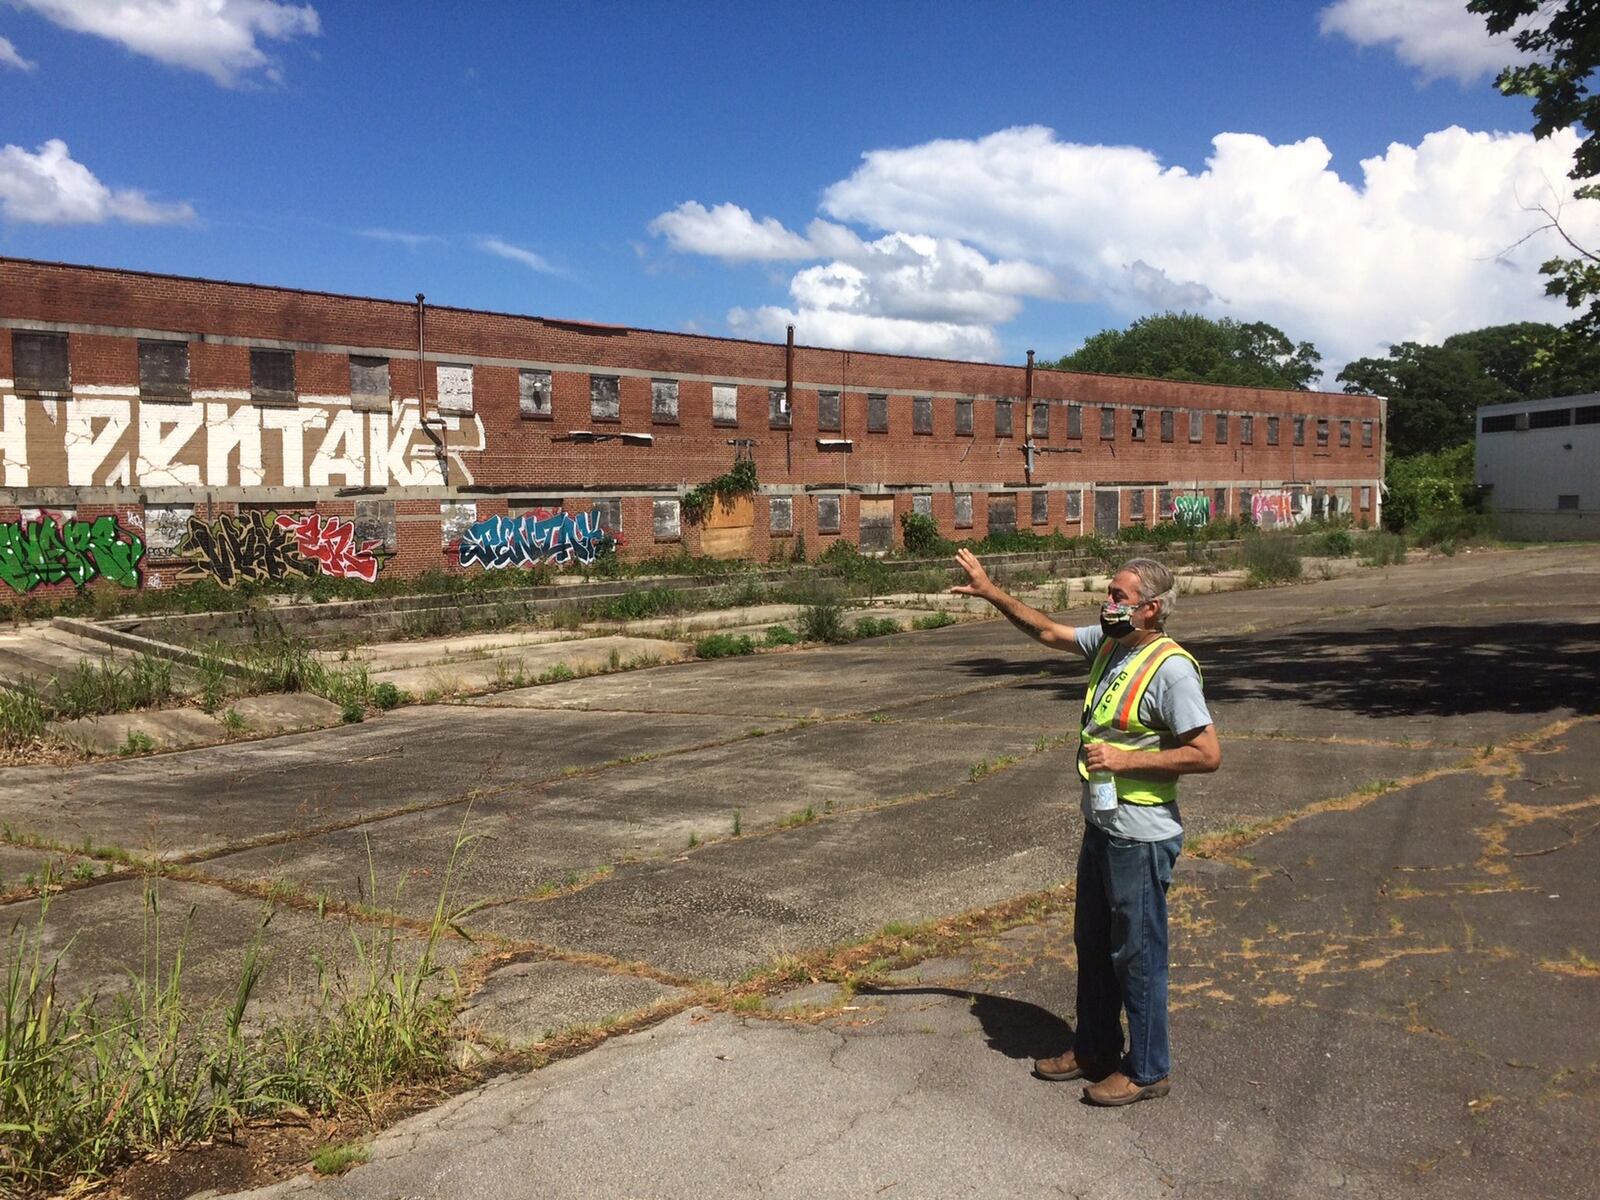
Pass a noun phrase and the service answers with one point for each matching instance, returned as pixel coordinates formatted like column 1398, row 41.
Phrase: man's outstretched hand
column 978, row 582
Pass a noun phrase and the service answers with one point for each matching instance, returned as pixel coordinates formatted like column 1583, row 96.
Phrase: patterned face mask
column 1116, row 618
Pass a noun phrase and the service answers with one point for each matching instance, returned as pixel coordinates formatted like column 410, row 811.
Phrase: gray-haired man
column 1144, row 723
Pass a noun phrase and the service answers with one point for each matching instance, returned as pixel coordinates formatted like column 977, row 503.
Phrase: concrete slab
column 167, row 729
column 527, row 1002
column 507, row 670
column 721, row 618
column 386, row 656
column 23, row 868
column 282, row 712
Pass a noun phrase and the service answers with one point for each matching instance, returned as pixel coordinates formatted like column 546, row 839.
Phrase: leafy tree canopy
column 1191, row 347
column 1533, row 359
column 1433, row 394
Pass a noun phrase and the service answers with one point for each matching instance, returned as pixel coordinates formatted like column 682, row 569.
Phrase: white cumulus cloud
column 728, row 232
column 504, row 249
column 11, row 57
column 1440, row 38
column 49, row 187
column 215, row 37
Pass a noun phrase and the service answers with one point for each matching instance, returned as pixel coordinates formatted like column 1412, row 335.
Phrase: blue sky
column 701, row 166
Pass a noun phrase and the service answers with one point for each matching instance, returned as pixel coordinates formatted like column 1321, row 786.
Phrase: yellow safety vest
column 1115, row 718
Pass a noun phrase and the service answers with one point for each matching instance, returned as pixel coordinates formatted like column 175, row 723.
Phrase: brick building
column 236, row 431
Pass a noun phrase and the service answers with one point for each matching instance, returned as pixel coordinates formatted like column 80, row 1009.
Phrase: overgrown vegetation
column 1271, row 558
column 725, row 489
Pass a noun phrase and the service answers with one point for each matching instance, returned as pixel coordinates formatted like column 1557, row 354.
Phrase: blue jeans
column 1120, row 931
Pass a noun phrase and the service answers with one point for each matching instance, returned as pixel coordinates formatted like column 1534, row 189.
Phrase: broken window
column 1136, row 423
column 1167, row 422
column 780, row 510
column 922, row 414
column 533, row 394
column 1272, row 431
column 1041, row 420
column 1074, row 420
column 1299, row 431
column 664, row 403
column 1196, row 425
column 1164, row 503
column 1041, row 508
column 1247, row 430
column 1222, row 429
column 1075, row 505
column 605, row 398
column 1219, row 501
column 1366, row 433
column 272, row 376
column 827, row 514
column 39, row 362
column 1136, row 504
column 1366, row 497
column 1322, row 433
column 163, row 370
column 1002, row 418
column 1344, row 433
column 369, row 383
column 1108, row 423
column 724, row 404
column 778, row 408
column 665, row 518
column 828, row 412
column 964, row 416
column 877, row 412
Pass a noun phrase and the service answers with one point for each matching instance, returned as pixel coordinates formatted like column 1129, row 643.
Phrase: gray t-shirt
column 1174, row 701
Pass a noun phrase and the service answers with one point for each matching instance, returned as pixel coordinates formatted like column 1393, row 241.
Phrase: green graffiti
column 1192, row 510
column 72, row 552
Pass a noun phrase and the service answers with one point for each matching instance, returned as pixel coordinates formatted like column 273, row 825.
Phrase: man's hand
column 978, row 582
column 1103, row 757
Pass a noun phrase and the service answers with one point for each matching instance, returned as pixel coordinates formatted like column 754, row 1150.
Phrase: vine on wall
column 725, row 489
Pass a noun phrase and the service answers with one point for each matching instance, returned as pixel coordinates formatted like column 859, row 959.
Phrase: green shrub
column 823, row 622
column 724, row 645
column 641, row 605
column 23, row 718
column 352, row 713
column 386, row 696
column 781, row 635
column 1383, row 548
column 1271, row 558
column 937, row 620
column 922, row 537
column 870, row 627
column 1337, row 543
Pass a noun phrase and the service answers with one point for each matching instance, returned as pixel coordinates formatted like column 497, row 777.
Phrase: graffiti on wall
column 543, row 535
column 1274, row 508
column 1192, row 510
column 45, row 550
column 223, row 440
column 263, row 547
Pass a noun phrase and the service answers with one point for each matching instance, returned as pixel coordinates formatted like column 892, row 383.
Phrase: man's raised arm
column 1031, row 621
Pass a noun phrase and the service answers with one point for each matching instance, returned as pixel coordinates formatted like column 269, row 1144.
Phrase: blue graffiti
column 546, row 535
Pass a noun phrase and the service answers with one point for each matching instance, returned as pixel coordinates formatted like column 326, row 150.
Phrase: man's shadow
column 1015, row 1028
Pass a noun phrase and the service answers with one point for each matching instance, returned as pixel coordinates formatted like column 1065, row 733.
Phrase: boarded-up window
column 164, row 528
column 1002, row 418
column 664, row 515
column 374, row 522
column 1246, row 504
column 724, row 404
column 39, row 361
column 1108, row 424
column 1219, row 501
column 1041, row 420
column 922, row 414
column 1366, row 433
column 608, row 512
column 922, row 504
column 455, row 387
column 455, row 519
column 1196, row 423
column 1247, row 430
column 1565, row 503
column 1167, row 422
column 1075, row 505
column 1222, row 429
column 1366, row 497
column 1273, row 425
column 877, row 412
column 1344, row 433
column 963, row 510
column 369, row 383
column 1136, row 504
column 272, row 376
column 1074, row 420
column 1322, row 433
column 1299, row 431
column 827, row 514
column 1136, row 424
column 1164, row 503
column 605, row 398
column 828, row 411
column 778, row 415
column 664, row 402
column 1002, row 514
column 163, row 370
column 1041, row 508
column 534, row 394
column 781, row 510
column 964, row 416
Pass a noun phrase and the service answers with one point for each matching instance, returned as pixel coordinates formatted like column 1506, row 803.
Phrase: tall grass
column 23, row 718
column 1271, row 558
column 100, row 686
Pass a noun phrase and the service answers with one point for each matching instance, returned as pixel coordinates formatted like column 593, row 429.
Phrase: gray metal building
column 1539, row 466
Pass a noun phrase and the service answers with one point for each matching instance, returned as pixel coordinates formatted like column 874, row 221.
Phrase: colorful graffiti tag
column 1192, row 510
column 331, row 541
column 265, row 546
column 73, row 551
column 544, row 535
column 1271, row 509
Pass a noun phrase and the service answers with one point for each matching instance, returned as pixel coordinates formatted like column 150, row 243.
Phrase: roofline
column 709, row 337
column 1539, row 405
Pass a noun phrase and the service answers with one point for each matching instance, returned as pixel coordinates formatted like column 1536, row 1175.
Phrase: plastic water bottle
column 1102, row 791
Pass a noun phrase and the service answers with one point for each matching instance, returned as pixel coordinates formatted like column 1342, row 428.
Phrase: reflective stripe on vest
column 1114, row 719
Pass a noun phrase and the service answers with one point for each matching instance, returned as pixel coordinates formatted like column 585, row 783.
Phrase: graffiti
column 251, row 546
column 222, row 440
column 1192, row 510
column 1279, row 507
column 542, row 535
column 73, row 551
column 331, row 541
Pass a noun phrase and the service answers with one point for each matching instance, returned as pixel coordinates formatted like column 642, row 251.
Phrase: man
column 1144, row 723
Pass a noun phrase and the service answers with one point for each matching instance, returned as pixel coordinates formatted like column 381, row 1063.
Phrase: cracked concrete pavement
column 1385, row 973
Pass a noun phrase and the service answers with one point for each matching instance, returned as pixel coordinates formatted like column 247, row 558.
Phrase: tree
column 1533, row 359
column 1195, row 348
column 1564, row 39
column 1433, row 394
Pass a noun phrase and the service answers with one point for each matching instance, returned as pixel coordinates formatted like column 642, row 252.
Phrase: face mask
column 1116, row 620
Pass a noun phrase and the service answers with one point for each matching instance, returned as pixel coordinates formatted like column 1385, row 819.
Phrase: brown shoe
column 1117, row 1089
column 1067, row 1066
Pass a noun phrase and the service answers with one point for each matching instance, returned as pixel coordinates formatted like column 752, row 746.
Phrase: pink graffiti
column 1272, row 509
column 332, row 542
